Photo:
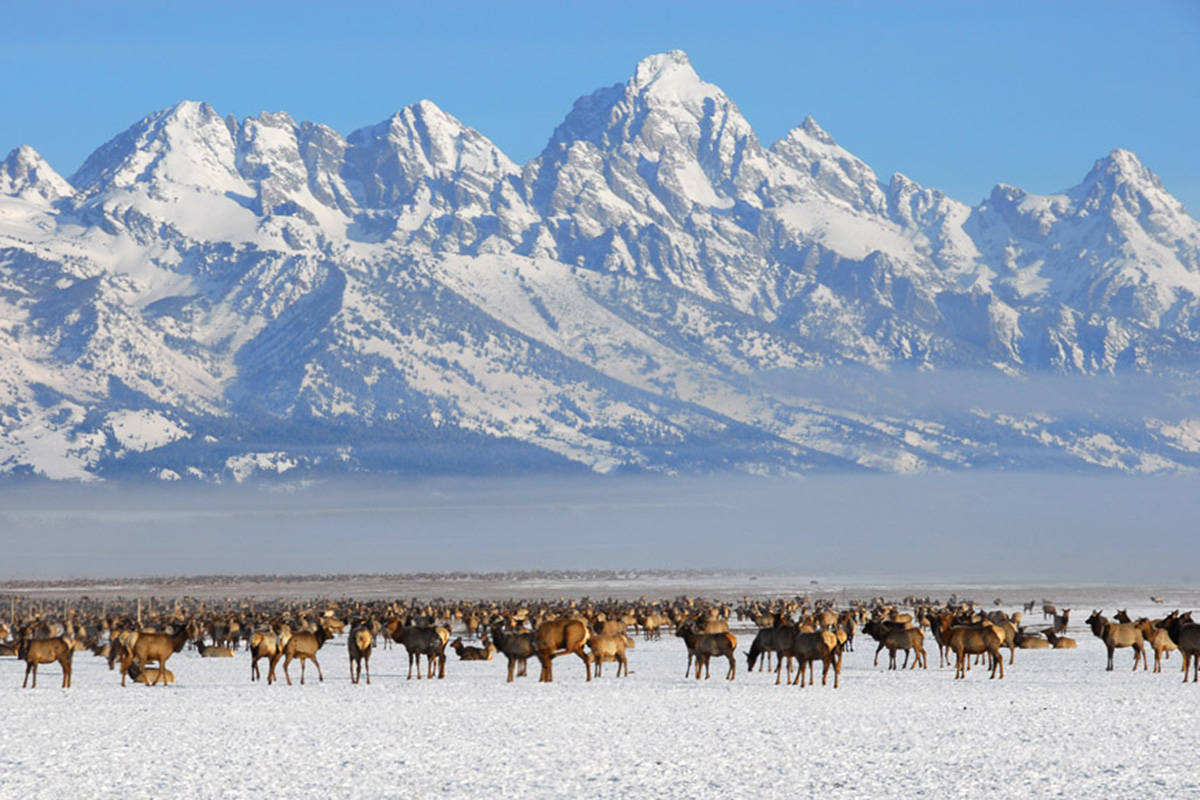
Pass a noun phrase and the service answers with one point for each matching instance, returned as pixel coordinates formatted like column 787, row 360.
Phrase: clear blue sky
column 958, row 95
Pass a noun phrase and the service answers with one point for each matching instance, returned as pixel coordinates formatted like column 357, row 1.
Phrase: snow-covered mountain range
column 215, row 298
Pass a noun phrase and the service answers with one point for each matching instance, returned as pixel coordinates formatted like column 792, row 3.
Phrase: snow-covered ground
column 1057, row 725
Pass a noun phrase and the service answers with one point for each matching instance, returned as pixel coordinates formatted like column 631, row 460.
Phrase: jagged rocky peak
column 187, row 144
column 25, row 174
column 814, row 160
column 423, row 143
column 666, row 116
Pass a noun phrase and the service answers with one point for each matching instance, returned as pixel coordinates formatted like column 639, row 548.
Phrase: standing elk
column 304, row 646
column 46, row 651
column 146, row 646
column 969, row 640
column 358, row 645
column 264, row 644
column 1186, row 636
column 1117, row 634
column 558, row 637
column 517, row 647
column 421, row 640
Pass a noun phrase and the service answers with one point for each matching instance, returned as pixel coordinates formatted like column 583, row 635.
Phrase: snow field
column 1057, row 725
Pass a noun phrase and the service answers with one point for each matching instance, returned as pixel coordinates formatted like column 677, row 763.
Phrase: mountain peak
column 673, row 64
column 24, row 173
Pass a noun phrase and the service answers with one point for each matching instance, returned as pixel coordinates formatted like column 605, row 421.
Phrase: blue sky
column 957, row 95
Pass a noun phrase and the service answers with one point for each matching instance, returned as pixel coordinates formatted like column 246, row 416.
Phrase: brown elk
column 145, row 646
column 1059, row 642
column 304, row 646
column 968, row 640
column 1116, row 634
column 264, row 644
column 703, row 646
column 517, row 647
column 807, row 647
column 358, row 645
column 898, row 637
column 1158, row 639
column 610, row 647
column 466, row 652
column 557, row 637
column 421, row 640
column 46, row 651
column 1030, row 641
column 150, row 675
column 1186, row 636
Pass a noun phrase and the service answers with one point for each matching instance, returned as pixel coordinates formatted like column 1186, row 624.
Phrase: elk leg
column 732, row 667
column 368, row 660
column 29, row 665
column 877, row 649
column 286, row 674
column 511, row 664
column 320, row 676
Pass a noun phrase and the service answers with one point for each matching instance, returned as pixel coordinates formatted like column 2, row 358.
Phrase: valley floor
column 1058, row 724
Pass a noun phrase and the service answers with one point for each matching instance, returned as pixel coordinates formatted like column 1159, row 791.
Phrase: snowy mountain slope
column 211, row 298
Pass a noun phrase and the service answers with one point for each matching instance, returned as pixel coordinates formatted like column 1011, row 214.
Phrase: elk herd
column 790, row 633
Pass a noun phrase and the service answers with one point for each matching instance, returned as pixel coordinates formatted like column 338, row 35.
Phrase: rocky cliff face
column 213, row 298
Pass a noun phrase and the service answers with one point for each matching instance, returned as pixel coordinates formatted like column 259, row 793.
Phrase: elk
column 517, row 647
column 975, row 640
column 898, row 637
column 304, row 646
column 1061, row 620
column 144, row 647
column 610, row 647
column 1158, row 639
column 468, row 653
column 557, row 637
column 264, row 644
column 150, row 675
column 421, row 640
column 1059, row 642
column 808, row 647
column 1116, row 634
column 1030, row 641
column 46, row 651
column 358, row 645
column 703, row 646
column 1186, row 636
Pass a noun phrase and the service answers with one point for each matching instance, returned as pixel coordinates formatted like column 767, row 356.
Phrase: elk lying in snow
column 466, row 652
column 304, row 646
column 1116, row 634
column 144, row 647
column 358, row 645
column 972, row 640
column 557, row 637
column 215, row 651
column 1059, row 642
column 150, row 675
column 1031, row 641
column 610, row 647
column 264, row 644
column 517, row 647
column 46, row 651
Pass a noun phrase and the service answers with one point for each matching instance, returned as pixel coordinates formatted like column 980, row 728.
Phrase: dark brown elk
column 46, row 651
column 144, row 647
column 358, row 645
column 1116, row 634
column 517, row 647
column 1186, row 636
column 969, row 640
column 898, row 637
column 466, row 652
column 703, row 646
column 808, row 647
column 558, row 637
column 421, row 640
column 264, row 644
column 304, row 646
